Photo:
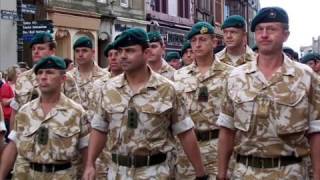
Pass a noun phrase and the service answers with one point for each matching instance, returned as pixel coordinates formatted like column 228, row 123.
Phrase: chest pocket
column 292, row 113
column 115, row 116
column 155, row 119
column 26, row 145
column 65, row 142
column 244, row 108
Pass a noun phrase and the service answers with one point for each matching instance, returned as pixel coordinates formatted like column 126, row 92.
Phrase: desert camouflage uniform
column 161, row 115
column 26, row 89
column 204, row 114
column 68, row 133
column 166, row 70
column 272, row 117
column 85, row 88
column 247, row 57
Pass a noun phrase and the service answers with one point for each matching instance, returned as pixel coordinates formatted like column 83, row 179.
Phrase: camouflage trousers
column 155, row 172
column 208, row 151
column 21, row 169
column 298, row 171
column 102, row 164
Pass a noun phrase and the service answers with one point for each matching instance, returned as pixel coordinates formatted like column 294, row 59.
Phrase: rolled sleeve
column 314, row 127
column 182, row 126
column 98, row 123
column 84, row 142
column 3, row 126
column 13, row 136
column 225, row 121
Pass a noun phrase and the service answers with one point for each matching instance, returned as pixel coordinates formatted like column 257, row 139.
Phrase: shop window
column 102, row 1
column 184, row 8
column 219, row 11
column 124, row 3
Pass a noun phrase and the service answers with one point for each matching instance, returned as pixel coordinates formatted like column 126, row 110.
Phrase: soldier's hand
column 89, row 173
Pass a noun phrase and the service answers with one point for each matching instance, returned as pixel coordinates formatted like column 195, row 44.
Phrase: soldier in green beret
column 236, row 51
column 86, row 73
column 187, row 54
column 51, row 131
column 27, row 89
column 270, row 116
column 141, row 112
column 174, row 59
column 311, row 59
column 156, row 61
column 112, row 56
column 201, row 84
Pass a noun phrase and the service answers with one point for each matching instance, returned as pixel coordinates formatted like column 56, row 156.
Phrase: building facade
column 172, row 18
column 8, row 36
column 246, row 8
column 211, row 11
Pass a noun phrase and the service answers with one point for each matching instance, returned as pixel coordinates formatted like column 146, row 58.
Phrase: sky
column 304, row 20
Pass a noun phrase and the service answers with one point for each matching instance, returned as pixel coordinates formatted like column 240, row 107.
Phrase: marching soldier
column 141, row 112
column 155, row 61
column 202, row 85
column 272, row 109
column 113, row 60
column 85, row 73
column 236, row 52
column 52, row 130
column 174, row 60
column 27, row 89
column 187, row 54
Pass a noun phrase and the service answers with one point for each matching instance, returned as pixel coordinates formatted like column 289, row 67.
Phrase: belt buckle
column 132, row 161
column 148, row 160
column 262, row 161
column 53, row 168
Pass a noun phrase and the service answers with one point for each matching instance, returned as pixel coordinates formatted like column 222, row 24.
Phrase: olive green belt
column 259, row 162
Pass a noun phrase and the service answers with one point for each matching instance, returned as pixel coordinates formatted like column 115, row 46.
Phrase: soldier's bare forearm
column 315, row 156
column 96, row 144
column 12, row 119
column 191, row 148
column 225, row 148
column 9, row 155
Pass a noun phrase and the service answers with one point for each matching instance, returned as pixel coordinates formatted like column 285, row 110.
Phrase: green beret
column 200, row 28
column 50, row 62
column 172, row 55
column 107, row 49
column 133, row 36
column 186, row 45
column 83, row 41
column 41, row 38
column 309, row 57
column 270, row 14
column 154, row 36
column 235, row 21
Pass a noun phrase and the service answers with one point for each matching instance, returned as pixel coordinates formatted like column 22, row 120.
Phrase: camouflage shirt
column 27, row 89
column 272, row 117
column 247, row 57
column 85, row 86
column 160, row 114
column 189, row 82
column 66, row 131
column 166, row 70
